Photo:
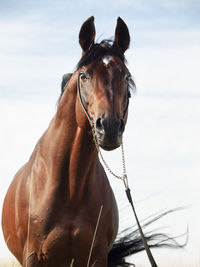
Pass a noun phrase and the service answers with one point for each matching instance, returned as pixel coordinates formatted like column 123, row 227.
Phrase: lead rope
column 123, row 177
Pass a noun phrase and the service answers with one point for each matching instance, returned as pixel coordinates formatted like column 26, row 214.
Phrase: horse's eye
column 129, row 93
column 83, row 77
column 128, row 77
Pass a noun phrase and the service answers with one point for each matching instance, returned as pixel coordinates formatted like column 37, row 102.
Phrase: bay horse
column 60, row 210
column 51, row 208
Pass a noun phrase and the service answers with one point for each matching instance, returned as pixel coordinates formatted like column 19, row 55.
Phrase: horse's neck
column 69, row 151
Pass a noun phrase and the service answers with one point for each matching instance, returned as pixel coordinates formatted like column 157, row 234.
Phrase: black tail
column 131, row 243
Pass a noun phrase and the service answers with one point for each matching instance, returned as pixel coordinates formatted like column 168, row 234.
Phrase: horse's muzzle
column 109, row 132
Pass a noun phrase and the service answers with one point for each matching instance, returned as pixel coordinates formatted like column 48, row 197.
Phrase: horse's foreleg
column 31, row 260
column 98, row 262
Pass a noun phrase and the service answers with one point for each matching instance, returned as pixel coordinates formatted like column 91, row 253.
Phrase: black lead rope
column 127, row 189
column 146, row 246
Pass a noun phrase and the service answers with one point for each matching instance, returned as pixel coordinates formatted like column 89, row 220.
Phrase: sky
column 39, row 43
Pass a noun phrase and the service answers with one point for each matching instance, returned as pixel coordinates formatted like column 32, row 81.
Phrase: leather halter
column 127, row 189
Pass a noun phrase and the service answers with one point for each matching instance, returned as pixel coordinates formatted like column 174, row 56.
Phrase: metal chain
column 123, row 177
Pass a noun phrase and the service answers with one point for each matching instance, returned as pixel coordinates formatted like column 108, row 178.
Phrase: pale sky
column 39, row 43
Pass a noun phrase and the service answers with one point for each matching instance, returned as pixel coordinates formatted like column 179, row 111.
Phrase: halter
column 124, row 177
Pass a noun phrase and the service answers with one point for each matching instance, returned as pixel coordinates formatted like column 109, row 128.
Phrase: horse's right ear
column 87, row 34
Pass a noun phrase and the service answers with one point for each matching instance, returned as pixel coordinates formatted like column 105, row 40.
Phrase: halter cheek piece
column 81, row 100
column 124, row 175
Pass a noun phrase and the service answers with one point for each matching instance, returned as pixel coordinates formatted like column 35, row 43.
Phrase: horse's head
column 104, row 82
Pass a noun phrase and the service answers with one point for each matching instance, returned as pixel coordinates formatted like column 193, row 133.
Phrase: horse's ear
column 87, row 34
column 122, row 37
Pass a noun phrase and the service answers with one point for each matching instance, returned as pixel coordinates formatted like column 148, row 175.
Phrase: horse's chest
column 64, row 237
column 68, row 241
column 66, row 234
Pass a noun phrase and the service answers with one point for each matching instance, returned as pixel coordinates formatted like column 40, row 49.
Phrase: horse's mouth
column 109, row 148
column 109, row 144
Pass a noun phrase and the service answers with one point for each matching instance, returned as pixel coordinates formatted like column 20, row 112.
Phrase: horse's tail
column 131, row 243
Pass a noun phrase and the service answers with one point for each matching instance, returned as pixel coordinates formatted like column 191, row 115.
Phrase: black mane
column 65, row 79
column 105, row 47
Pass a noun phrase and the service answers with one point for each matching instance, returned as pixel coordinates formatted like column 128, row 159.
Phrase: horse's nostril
column 121, row 128
column 99, row 125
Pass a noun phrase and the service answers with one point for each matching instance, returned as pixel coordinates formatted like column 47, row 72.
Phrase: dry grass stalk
column 29, row 218
column 94, row 236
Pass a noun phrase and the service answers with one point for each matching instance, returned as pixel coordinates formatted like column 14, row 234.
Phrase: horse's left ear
column 87, row 34
column 122, row 37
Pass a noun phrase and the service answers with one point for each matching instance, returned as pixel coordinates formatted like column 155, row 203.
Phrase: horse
column 60, row 209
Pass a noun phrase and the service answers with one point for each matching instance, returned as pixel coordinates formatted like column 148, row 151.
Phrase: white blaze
column 106, row 60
